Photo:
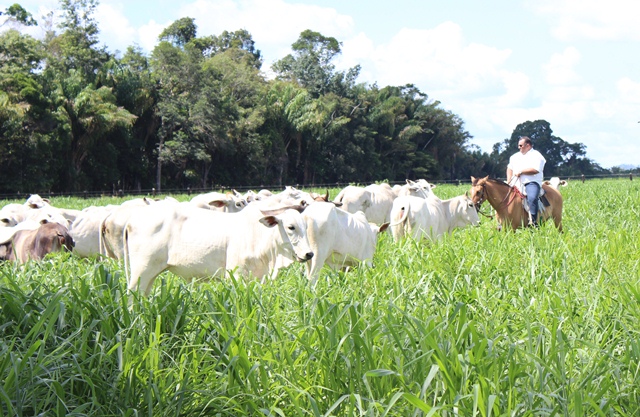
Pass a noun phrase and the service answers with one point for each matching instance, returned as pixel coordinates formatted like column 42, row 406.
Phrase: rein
column 513, row 192
column 506, row 201
column 480, row 201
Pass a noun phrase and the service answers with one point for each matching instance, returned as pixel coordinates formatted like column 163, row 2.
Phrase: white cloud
column 629, row 91
column 437, row 59
column 115, row 27
column 273, row 24
column 148, row 34
column 560, row 68
column 590, row 19
column 517, row 87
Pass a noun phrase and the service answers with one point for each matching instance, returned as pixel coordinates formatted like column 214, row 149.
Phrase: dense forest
column 199, row 112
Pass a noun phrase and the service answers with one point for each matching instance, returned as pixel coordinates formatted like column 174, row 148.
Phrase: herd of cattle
column 252, row 234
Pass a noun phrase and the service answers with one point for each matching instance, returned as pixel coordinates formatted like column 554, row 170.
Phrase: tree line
column 198, row 111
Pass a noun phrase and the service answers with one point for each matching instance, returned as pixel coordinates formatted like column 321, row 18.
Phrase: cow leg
column 143, row 275
column 145, row 261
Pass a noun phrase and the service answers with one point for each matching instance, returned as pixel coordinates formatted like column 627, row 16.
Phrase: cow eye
column 291, row 227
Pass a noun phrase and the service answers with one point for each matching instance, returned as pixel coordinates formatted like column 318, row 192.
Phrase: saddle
column 543, row 202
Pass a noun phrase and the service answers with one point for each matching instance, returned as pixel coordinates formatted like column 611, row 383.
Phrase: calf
column 338, row 238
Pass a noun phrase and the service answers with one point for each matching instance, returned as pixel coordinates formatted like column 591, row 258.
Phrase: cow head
column 7, row 222
column 52, row 237
column 466, row 211
column 35, row 201
column 292, row 230
column 421, row 188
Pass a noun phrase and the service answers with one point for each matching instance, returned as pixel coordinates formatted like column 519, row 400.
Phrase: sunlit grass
column 482, row 323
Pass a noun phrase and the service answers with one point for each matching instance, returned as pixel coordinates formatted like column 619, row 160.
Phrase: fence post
column 583, row 178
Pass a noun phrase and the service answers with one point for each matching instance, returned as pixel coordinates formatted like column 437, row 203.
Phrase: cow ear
column 269, row 221
column 432, row 186
column 218, row 203
column 383, row 227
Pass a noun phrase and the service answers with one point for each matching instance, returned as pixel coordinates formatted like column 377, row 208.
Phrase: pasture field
column 483, row 323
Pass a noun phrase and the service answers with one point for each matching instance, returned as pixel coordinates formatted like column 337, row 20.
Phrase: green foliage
column 180, row 32
column 18, row 14
column 483, row 323
column 310, row 64
column 199, row 113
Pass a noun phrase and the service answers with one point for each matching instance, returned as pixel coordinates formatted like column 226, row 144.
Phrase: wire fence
column 152, row 192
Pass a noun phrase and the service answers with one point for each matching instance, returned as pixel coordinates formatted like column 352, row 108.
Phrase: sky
column 495, row 63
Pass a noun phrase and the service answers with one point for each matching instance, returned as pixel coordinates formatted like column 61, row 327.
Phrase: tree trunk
column 159, row 167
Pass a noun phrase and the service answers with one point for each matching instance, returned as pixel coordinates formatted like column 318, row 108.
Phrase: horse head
column 478, row 191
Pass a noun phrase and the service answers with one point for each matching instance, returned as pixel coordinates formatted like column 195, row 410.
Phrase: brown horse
column 507, row 202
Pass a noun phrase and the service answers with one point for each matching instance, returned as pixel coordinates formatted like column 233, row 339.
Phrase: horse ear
column 473, row 180
column 486, row 178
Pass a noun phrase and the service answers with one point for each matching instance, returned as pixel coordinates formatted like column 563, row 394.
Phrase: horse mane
column 497, row 181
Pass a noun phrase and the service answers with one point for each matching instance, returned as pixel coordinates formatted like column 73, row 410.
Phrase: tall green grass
column 531, row 323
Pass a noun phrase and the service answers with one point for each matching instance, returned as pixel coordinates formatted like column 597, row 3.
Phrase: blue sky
column 495, row 63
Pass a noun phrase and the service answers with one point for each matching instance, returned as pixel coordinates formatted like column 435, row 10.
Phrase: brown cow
column 35, row 244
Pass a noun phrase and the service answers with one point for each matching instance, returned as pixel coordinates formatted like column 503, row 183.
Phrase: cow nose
column 308, row 256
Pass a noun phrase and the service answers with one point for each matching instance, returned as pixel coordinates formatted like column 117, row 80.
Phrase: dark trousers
column 533, row 190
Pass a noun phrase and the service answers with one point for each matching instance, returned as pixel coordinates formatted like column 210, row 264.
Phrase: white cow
column 290, row 196
column 251, row 196
column 193, row 243
column 338, row 238
column 14, row 213
column 35, row 201
column 374, row 200
column 225, row 202
column 85, row 230
column 420, row 188
column 556, row 183
column 431, row 217
column 112, row 226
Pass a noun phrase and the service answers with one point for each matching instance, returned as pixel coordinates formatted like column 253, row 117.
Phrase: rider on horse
column 525, row 171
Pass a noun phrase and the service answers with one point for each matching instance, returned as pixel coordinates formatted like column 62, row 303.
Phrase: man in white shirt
column 527, row 168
